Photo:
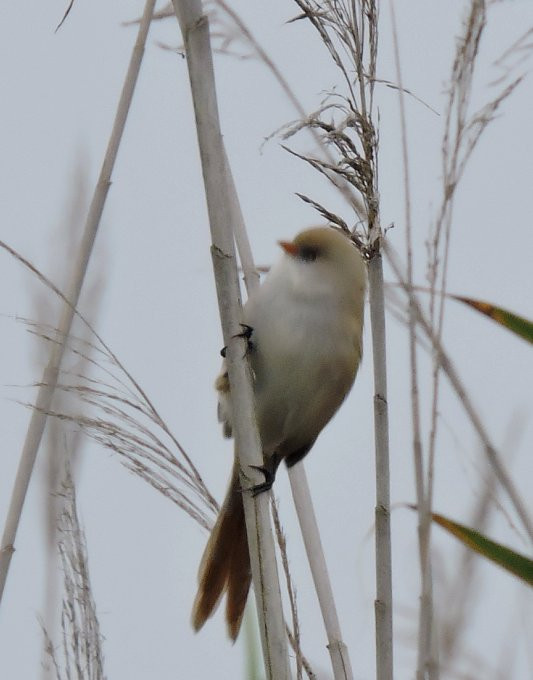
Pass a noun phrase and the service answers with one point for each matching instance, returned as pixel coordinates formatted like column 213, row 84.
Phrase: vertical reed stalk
column 195, row 29
column 340, row 659
column 383, row 603
column 425, row 664
column 50, row 374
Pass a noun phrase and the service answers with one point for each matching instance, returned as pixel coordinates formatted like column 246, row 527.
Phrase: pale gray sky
column 159, row 316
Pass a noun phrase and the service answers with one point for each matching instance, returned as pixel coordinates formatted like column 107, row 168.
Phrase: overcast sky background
column 158, row 313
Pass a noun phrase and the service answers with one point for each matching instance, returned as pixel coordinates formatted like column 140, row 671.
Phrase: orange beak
column 289, row 247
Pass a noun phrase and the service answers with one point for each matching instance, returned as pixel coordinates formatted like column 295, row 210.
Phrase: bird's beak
column 289, row 247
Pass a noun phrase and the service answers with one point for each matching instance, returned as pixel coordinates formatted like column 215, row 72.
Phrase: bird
column 303, row 327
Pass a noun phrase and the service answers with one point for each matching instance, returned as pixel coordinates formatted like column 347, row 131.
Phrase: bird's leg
column 269, row 470
column 247, row 334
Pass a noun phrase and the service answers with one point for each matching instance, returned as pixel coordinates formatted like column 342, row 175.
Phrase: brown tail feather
column 238, row 584
column 225, row 564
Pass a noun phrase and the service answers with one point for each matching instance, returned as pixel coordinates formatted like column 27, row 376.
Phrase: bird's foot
column 246, row 334
column 267, row 484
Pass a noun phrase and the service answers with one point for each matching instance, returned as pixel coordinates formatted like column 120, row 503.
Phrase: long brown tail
column 225, row 565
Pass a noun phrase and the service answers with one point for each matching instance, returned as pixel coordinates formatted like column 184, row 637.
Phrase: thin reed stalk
column 195, row 30
column 349, row 31
column 300, row 491
column 383, row 602
column 50, row 374
column 340, row 659
column 426, row 666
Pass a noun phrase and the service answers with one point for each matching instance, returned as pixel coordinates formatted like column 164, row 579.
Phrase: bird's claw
column 246, row 334
column 264, row 486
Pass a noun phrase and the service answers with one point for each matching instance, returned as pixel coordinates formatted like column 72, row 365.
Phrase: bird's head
column 327, row 256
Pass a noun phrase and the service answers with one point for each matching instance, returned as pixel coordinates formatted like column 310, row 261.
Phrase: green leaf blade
column 508, row 559
column 513, row 322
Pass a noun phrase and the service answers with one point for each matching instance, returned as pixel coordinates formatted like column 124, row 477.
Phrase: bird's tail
column 225, row 565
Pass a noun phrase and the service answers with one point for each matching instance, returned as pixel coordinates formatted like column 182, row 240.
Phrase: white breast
column 305, row 354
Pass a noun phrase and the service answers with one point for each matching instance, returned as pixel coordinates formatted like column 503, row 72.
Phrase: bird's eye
column 308, row 253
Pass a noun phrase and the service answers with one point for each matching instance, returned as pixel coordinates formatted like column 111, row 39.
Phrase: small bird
column 304, row 330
